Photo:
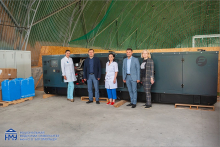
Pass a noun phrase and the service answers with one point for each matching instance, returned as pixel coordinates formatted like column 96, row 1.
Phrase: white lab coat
column 110, row 74
column 68, row 70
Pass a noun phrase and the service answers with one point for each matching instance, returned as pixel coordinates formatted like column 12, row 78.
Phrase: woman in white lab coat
column 111, row 79
column 68, row 72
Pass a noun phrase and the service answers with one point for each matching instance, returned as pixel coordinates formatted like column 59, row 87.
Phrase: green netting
column 152, row 25
column 111, row 24
column 90, row 34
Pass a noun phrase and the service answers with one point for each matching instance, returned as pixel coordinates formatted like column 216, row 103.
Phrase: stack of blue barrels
column 17, row 88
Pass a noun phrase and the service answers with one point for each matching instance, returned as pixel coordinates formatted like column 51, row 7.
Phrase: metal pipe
column 103, row 29
column 31, row 24
column 13, row 26
column 77, row 21
column 54, row 12
column 70, row 24
column 9, row 13
column 203, row 36
column 21, row 33
column 129, row 36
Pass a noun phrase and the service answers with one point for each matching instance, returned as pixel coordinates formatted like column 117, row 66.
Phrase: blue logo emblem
column 11, row 134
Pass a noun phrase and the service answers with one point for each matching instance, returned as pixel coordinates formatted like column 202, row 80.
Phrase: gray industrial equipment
column 180, row 77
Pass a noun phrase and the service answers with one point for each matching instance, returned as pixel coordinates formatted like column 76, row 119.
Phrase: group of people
column 132, row 72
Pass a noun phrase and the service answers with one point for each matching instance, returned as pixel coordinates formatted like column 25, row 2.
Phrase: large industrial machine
column 180, row 77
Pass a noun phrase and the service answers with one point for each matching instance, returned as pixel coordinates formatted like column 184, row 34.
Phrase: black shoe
column 130, row 104
column 97, row 102
column 133, row 106
column 147, row 106
column 89, row 102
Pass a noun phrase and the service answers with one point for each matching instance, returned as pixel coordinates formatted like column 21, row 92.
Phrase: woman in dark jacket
column 147, row 75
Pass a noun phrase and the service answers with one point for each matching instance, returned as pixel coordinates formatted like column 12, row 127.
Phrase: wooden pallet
column 218, row 99
column 48, row 95
column 101, row 99
column 120, row 103
column 7, row 103
column 195, row 107
column 40, row 88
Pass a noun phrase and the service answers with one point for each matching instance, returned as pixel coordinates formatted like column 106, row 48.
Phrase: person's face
column 91, row 53
column 129, row 53
column 110, row 57
column 145, row 54
column 67, row 54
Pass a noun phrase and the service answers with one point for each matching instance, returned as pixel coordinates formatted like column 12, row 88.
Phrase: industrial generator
column 180, row 77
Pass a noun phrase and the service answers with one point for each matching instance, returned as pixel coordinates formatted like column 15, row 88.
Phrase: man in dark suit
column 92, row 74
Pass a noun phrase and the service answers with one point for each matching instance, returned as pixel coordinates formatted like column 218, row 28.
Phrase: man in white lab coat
column 68, row 72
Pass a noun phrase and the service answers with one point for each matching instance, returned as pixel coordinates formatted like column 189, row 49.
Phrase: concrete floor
column 81, row 124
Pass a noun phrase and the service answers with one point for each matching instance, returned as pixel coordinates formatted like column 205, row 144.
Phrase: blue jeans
column 93, row 80
column 132, row 89
column 112, row 94
column 70, row 90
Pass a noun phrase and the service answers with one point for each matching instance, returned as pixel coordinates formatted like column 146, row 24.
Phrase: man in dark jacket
column 92, row 73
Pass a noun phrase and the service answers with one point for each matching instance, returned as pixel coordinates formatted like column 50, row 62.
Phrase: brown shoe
column 72, row 100
column 68, row 99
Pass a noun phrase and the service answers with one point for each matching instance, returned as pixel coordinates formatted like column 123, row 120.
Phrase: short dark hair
column 91, row 50
column 112, row 55
column 129, row 49
column 67, row 51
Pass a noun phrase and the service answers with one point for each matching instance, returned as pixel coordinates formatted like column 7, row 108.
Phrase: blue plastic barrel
column 8, row 90
column 27, row 87
column 17, row 90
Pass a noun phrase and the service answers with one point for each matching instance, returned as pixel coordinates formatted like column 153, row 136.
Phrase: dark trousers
column 147, row 89
column 93, row 80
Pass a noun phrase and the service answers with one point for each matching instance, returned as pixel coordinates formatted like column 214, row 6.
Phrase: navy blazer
column 96, row 68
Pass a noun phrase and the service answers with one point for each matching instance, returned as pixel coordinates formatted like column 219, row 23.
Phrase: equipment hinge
column 182, row 85
column 182, row 59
